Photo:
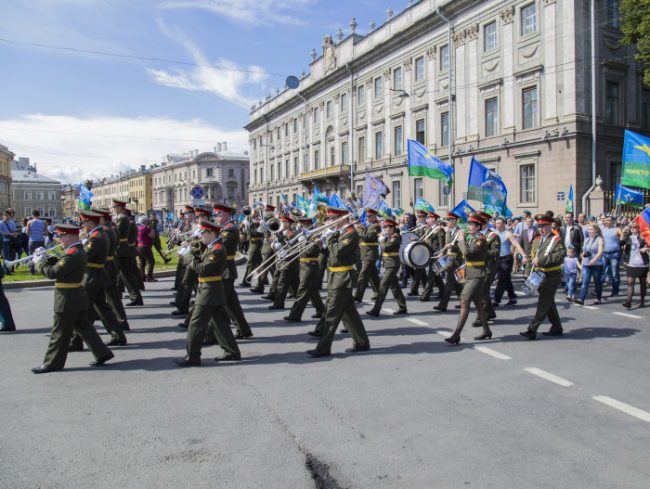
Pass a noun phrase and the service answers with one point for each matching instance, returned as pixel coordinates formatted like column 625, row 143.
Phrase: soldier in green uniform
column 70, row 303
column 230, row 239
column 341, row 243
column 113, row 297
column 133, row 254
column 547, row 258
column 494, row 245
column 419, row 274
column 287, row 271
column 309, row 273
column 436, row 241
column 475, row 252
column 97, row 280
column 123, row 254
column 390, row 256
column 451, row 250
column 369, row 250
column 255, row 241
column 186, row 221
column 209, row 307
column 267, row 251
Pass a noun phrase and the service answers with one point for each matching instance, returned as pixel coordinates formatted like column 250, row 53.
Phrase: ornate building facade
column 506, row 82
column 223, row 175
column 6, row 157
column 31, row 190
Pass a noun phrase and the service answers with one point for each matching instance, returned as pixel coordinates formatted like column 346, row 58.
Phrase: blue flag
column 570, row 203
column 463, row 210
column 628, row 196
column 312, row 209
column 486, row 186
column 373, row 191
column 421, row 163
column 335, row 201
column 319, row 196
column 423, row 205
column 636, row 160
column 85, row 198
column 383, row 210
column 301, row 202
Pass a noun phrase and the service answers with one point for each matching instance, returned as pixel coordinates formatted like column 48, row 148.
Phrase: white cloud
column 252, row 12
column 226, row 79
column 73, row 148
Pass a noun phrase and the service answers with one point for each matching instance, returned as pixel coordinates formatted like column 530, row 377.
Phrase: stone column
column 550, row 60
column 472, row 90
column 459, row 80
column 509, row 96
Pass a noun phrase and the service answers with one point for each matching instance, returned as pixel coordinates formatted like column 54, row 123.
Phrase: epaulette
column 537, row 237
column 556, row 238
column 94, row 234
column 349, row 230
column 217, row 246
column 481, row 236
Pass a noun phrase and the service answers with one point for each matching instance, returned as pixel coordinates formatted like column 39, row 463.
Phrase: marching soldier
column 128, row 273
column 369, row 250
column 494, row 247
column 70, row 303
column 185, row 224
column 309, row 274
column 474, row 250
column 390, row 255
column 133, row 253
column 548, row 256
column 341, row 244
column 452, row 251
column 209, row 307
column 419, row 274
column 230, row 240
column 255, row 240
column 436, row 241
column 267, row 252
column 286, row 272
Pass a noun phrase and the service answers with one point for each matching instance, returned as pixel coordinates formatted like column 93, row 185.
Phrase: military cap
column 71, row 229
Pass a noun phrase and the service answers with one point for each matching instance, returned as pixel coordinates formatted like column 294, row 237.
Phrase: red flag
column 643, row 220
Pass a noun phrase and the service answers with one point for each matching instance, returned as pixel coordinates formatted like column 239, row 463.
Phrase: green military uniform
column 494, row 245
column 340, row 302
column 436, row 241
column 390, row 256
column 230, row 240
column 287, row 273
column 450, row 279
column 549, row 252
column 369, row 249
column 133, row 254
column 96, row 281
column 70, row 309
column 184, row 225
column 255, row 242
column 128, row 274
column 267, row 252
column 209, row 306
column 308, row 287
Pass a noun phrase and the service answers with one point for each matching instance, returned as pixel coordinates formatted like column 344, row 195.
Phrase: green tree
column 636, row 31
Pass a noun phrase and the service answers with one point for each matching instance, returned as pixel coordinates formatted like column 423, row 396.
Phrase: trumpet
column 273, row 225
column 247, row 210
column 27, row 259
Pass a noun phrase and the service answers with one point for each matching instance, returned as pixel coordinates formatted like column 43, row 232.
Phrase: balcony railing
column 327, row 172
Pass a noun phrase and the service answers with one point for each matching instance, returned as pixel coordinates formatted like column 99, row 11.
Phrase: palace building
column 506, row 82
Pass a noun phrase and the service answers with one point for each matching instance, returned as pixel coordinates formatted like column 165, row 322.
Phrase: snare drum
column 442, row 264
column 416, row 254
column 533, row 282
column 459, row 274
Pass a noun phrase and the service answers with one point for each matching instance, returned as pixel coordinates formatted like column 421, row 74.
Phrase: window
column 272, row 172
column 328, row 109
column 209, row 172
column 379, row 87
column 296, row 165
column 255, row 176
column 444, row 129
column 419, row 188
column 51, row 195
column 528, row 19
column 361, row 149
column 490, row 36
column 316, row 115
column 491, row 117
column 316, row 159
column 444, row 58
column 613, row 16
column 419, row 69
column 305, row 163
column 397, row 194
column 295, row 125
column 231, row 173
column 28, row 196
column 332, row 155
column 277, row 132
column 398, row 141
column 345, row 159
column 359, row 190
column 40, row 196
column 28, row 212
column 397, row 78
column 361, row 96
column 51, row 212
column 420, row 131
column 443, row 193
column 529, row 97
column 614, row 174
column 612, row 103
column 344, row 103
column 379, row 145
column 527, row 183
column 286, row 168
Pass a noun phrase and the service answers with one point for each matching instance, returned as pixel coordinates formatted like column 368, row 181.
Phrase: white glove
column 302, row 238
column 39, row 259
column 282, row 254
column 275, row 246
column 183, row 251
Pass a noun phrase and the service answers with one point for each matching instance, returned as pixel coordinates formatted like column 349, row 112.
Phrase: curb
column 30, row 284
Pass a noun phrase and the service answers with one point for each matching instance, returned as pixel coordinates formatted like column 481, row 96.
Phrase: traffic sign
column 197, row 192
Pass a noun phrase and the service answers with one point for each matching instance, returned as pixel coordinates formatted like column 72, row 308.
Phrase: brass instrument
column 27, row 259
column 273, row 225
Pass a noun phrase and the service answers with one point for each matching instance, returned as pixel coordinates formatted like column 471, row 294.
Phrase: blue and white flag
column 373, row 191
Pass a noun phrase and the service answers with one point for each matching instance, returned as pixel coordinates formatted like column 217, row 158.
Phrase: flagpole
column 618, row 205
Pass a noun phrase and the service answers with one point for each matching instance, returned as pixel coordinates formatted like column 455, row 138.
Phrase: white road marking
column 492, row 353
column 385, row 309
column 626, row 408
column 548, row 376
column 417, row 321
column 626, row 315
column 444, row 333
column 591, row 308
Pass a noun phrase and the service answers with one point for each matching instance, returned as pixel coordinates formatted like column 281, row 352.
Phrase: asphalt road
column 570, row 412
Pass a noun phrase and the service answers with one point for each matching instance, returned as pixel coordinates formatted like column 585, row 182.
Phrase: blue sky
column 79, row 114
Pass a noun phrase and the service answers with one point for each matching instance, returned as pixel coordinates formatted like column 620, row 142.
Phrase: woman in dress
column 635, row 251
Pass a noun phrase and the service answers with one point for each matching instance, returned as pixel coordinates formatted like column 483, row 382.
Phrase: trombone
column 27, row 259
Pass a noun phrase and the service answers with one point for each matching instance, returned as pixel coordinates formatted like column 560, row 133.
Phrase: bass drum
column 407, row 238
column 416, row 254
